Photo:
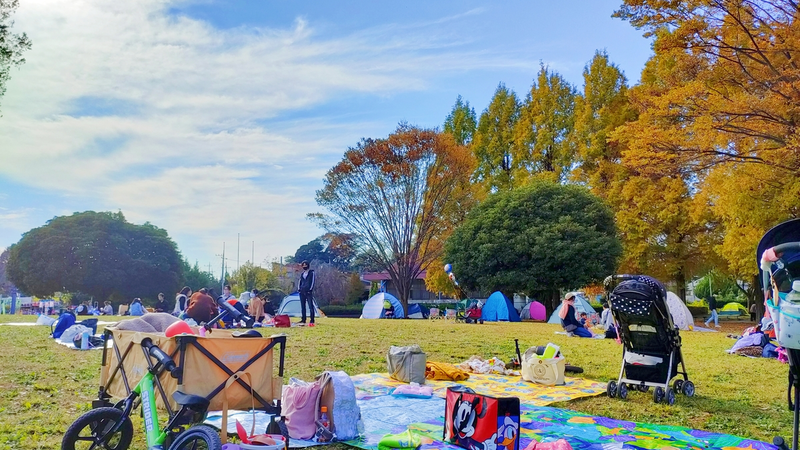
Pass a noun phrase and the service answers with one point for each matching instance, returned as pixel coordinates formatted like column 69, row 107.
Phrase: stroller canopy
column 373, row 309
column 783, row 233
column 581, row 305
column 499, row 308
column 681, row 316
column 533, row 310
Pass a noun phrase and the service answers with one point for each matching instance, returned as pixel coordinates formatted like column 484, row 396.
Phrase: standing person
column 305, row 286
column 568, row 319
column 712, row 307
column 137, row 309
column 161, row 304
column 753, row 312
column 108, row 310
column 181, row 298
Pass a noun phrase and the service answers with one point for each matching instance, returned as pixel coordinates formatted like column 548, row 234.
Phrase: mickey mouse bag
column 480, row 422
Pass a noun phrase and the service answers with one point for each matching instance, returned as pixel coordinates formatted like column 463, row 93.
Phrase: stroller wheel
column 643, row 388
column 611, row 389
column 688, row 388
column 622, row 391
column 677, row 386
column 670, row 397
column 658, row 394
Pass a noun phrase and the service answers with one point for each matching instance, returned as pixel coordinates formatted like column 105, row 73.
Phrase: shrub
column 342, row 310
column 698, row 310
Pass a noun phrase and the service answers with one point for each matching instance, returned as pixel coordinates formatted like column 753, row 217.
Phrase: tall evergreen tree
column 461, row 122
column 601, row 108
column 543, row 136
column 494, row 140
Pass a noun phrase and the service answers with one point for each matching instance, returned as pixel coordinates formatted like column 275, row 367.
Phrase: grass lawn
column 44, row 386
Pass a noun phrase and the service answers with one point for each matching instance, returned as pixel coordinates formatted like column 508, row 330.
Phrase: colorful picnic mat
column 386, row 414
column 374, row 384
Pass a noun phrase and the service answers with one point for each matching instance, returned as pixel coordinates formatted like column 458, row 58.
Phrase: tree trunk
column 757, row 297
column 680, row 280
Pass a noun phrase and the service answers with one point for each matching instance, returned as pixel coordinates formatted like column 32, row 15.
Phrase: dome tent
column 373, row 308
column 533, row 311
column 581, row 305
column 290, row 305
column 681, row 316
column 499, row 308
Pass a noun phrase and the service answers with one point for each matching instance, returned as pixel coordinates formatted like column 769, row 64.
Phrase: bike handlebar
column 161, row 357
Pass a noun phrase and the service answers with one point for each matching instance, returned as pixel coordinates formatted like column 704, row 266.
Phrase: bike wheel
column 93, row 431
column 198, row 437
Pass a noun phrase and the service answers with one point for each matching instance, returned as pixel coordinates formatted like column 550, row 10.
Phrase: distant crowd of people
column 199, row 306
column 203, row 305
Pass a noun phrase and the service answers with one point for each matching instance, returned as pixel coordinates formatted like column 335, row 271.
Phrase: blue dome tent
column 499, row 308
column 373, row 309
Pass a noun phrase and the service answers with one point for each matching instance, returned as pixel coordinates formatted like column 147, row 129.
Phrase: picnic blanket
column 388, row 414
column 375, row 384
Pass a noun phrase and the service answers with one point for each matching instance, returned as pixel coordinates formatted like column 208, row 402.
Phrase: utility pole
column 237, row 251
column 253, row 254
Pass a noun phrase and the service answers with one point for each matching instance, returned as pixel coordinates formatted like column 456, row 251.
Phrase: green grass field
column 44, row 386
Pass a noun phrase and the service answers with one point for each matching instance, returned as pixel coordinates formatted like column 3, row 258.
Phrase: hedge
column 698, row 311
column 342, row 310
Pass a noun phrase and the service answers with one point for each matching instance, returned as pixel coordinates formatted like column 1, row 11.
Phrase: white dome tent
column 681, row 316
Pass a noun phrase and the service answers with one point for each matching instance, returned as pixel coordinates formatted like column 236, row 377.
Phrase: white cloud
column 183, row 138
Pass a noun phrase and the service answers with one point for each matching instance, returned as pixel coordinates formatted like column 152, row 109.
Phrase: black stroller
column 651, row 342
column 778, row 255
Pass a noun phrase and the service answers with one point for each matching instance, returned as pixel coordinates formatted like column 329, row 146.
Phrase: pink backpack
column 299, row 404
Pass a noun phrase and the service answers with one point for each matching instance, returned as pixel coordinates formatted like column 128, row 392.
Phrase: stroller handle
column 160, row 356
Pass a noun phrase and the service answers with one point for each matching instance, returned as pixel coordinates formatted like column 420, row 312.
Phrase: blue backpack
column 65, row 320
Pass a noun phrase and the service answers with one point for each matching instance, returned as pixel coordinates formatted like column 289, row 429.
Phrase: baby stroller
column 778, row 255
column 651, row 342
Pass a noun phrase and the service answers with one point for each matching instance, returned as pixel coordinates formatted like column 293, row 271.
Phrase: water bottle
column 85, row 340
column 324, row 417
column 788, row 328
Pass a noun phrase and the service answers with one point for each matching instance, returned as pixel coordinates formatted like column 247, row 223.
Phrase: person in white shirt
column 607, row 321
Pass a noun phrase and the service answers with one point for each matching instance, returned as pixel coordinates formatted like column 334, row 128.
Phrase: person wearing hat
column 305, row 286
column 571, row 323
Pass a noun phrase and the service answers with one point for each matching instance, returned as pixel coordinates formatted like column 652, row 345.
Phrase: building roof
column 384, row 276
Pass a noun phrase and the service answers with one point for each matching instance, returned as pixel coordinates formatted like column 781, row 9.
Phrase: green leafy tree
column 356, row 290
column 100, row 254
column 249, row 276
column 493, row 142
column 461, row 122
column 543, row 135
column 313, row 251
column 5, row 285
column 536, row 240
column 12, row 46
column 196, row 278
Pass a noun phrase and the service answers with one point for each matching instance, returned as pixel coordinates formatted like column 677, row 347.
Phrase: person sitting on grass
column 568, row 320
column 583, row 319
column 202, row 307
column 108, row 310
column 161, row 305
column 388, row 310
column 607, row 321
column 137, row 309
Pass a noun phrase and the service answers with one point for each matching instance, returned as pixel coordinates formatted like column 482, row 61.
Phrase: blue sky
column 212, row 118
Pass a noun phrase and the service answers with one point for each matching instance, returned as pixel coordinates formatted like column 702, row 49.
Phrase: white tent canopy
column 681, row 316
